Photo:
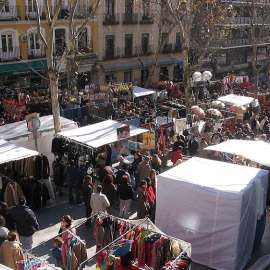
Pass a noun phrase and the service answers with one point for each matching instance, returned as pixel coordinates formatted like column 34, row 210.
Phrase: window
column 109, row 7
column 145, row 44
column 129, row 7
column 35, row 46
column 8, row 47
column 146, row 8
column 109, row 54
column 60, row 40
column 178, row 44
column 128, row 45
column 127, row 76
column 83, row 39
column 8, row 11
column 31, row 6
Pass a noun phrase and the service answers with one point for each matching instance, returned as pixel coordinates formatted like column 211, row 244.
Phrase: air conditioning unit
column 24, row 37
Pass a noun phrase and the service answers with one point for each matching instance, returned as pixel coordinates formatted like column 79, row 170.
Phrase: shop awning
column 165, row 61
column 236, row 100
column 121, row 66
column 256, row 151
column 23, row 68
column 10, row 151
column 100, row 133
column 147, row 63
column 139, row 91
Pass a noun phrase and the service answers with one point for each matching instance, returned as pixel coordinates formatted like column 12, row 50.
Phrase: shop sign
column 31, row 135
column 149, row 141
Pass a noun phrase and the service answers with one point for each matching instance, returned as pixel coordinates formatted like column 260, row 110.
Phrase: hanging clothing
column 12, row 192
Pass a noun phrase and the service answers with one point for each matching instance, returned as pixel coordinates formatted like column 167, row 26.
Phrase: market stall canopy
column 139, row 92
column 236, row 100
column 213, row 205
column 19, row 129
column 11, row 152
column 257, row 151
column 100, row 133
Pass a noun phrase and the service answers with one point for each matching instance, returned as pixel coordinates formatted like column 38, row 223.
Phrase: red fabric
column 175, row 156
column 64, row 251
column 151, row 195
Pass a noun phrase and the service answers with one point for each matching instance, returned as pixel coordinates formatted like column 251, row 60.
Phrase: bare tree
column 54, row 63
column 257, row 29
column 197, row 21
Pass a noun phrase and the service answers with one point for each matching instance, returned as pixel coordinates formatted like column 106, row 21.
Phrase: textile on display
column 214, row 210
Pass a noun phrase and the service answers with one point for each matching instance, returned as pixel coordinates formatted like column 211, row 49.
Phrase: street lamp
column 198, row 77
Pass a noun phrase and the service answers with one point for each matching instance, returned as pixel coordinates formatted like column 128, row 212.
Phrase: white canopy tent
column 257, row 151
column 214, row 206
column 139, row 92
column 100, row 133
column 18, row 133
column 10, row 152
column 236, row 100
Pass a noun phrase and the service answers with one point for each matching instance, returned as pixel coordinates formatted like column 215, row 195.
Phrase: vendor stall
column 236, row 100
column 18, row 134
column 215, row 211
column 139, row 92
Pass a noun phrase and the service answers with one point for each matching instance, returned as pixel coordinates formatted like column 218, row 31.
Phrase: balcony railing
column 130, row 18
column 85, row 47
column 10, row 13
column 82, row 12
column 147, row 19
column 238, row 42
column 143, row 50
column 167, row 48
column 37, row 53
column 112, row 53
column 11, row 54
column 32, row 15
column 111, row 19
column 245, row 20
column 177, row 47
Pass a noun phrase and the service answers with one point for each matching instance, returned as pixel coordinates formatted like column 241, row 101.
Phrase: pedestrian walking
column 143, row 205
column 99, row 202
column 125, row 193
column 58, row 175
column 25, row 221
column 87, row 191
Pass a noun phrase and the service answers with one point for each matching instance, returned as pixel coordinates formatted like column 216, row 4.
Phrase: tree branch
column 3, row 4
column 39, row 24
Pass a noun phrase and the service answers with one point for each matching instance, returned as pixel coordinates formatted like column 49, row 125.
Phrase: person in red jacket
column 177, row 154
column 151, row 196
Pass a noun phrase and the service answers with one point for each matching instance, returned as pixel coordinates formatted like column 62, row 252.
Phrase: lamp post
column 198, row 77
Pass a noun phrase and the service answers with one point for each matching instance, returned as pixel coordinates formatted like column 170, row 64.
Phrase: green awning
column 22, row 68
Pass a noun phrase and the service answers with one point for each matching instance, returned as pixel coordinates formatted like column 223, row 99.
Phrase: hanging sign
column 149, row 140
column 123, row 133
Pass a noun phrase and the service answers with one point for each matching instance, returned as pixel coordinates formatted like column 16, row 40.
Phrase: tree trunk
column 256, row 82
column 186, row 79
column 54, row 77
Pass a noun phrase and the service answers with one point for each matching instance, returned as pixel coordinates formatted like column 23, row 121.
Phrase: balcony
column 245, row 20
column 10, row 54
column 177, row 47
column 10, row 13
column 85, row 47
column 147, row 19
column 37, row 53
column 111, row 19
column 32, row 15
column 238, row 42
column 82, row 12
column 143, row 50
column 130, row 18
column 111, row 54
column 167, row 48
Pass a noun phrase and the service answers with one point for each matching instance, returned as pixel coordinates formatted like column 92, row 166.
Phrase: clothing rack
column 26, row 254
column 147, row 221
column 74, row 236
column 114, row 241
column 67, row 230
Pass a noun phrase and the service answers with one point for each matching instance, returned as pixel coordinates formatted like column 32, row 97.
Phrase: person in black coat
column 193, row 146
column 25, row 221
column 87, row 191
column 58, row 175
column 4, row 212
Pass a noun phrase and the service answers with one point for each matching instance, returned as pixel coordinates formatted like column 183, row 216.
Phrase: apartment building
column 128, row 39
column 234, row 49
column 23, row 55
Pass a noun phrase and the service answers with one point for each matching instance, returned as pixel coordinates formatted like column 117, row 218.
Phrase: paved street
column 51, row 215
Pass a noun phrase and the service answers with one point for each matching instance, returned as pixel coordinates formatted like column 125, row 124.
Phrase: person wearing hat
column 25, row 221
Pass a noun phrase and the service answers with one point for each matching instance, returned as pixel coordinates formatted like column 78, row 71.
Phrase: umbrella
column 198, row 111
column 218, row 104
column 214, row 112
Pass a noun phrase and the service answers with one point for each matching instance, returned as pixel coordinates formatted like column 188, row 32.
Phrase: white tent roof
column 214, row 206
column 139, row 92
column 257, row 151
column 10, row 151
column 99, row 134
column 236, row 100
column 19, row 129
